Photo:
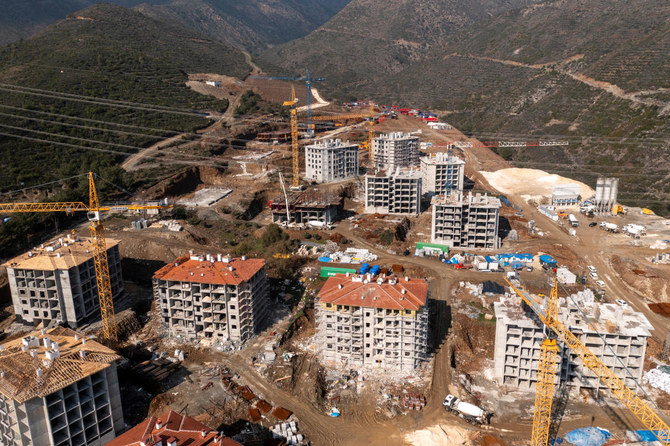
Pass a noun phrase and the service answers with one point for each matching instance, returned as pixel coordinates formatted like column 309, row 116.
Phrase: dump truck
column 469, row 412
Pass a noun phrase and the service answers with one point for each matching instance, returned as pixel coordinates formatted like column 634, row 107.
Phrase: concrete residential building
column 363, row 320
column 519, row 335
column 398, row 192
column 56, row 281
column 395, row 150
column 469, row 221
column 565, row 195
column 305, row 207
column 171, row 429
column 58, row 389
column 212, row 297
column 442, row 173
column 331, row 160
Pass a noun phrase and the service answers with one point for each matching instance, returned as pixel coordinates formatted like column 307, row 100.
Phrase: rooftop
column 397, row 135
column 331, row 144
column 46, row 361
column 441, row 158
column 406, row 172
column 375, row 292
column 218, row 269
column 605, row 318
column 469, row 199
column 169, row 427
column 61, row 253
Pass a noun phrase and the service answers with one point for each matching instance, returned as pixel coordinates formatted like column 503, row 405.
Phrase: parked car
column 622, row 302
column 529, row 268
column 591, row 268
column 600, row 283
column 592, row 224
column 594, row 276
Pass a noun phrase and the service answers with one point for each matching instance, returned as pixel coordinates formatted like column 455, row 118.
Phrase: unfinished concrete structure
column 212, row 297
column 519, row 335
column 57, row 389
column 395, row 150
column 442, row 173
column 331, row 160
column 469, row 221
column 56, row 283
column 398, row 192
column 305, row 207
column 377, row 321
column 606, row 195
column 565, row 195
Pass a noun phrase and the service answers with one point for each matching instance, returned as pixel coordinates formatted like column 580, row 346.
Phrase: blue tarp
column 547, row 259
column 588, row 436
column 490, row 259
column 324, row 259
column 646, row 435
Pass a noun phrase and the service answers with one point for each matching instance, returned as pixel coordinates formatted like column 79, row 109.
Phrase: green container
column 443, row 248
column 329, row 271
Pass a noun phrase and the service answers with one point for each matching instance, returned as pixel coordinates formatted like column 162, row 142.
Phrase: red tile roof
column 188, row 269
column 182, row 428
column 352, row 291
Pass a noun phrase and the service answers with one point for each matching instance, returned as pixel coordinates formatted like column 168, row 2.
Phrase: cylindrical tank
column 469, row 409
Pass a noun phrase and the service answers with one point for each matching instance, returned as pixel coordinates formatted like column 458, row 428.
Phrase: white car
column 622, row 302
column 594, row 276
column 600, row 283
column 591, row 268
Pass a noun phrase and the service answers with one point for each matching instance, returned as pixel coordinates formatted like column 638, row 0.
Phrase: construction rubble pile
column 351, row 255
column 658, row 378
column 288, row 432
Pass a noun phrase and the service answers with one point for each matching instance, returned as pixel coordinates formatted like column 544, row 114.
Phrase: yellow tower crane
column 294, row 140
column 547, row 312
column 93, row 209
column 370, row 116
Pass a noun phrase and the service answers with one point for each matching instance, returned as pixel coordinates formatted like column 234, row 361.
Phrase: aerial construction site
column 337, row 274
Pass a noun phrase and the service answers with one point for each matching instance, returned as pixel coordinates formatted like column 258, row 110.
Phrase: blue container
column 324, row 259
column 375, row 270
column 363, row 270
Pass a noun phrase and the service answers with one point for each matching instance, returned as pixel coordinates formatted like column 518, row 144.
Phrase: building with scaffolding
column 397, row 192
column 442, row 173
column 331, row 160
column 616, row 334
column 217, row 298
column 57, row 388
column 395, row 150
column 373, row 321
column 465, row 221
column 56, row 282
column 306, row 207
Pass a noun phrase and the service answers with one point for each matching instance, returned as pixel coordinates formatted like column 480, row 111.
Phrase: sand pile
column 440, row 435
column 530, row 183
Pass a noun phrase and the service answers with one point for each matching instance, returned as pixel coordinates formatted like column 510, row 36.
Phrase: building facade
column 469, row 221
column 373, row 321
column 398, row 192
column 565, row 195
column 442, row 174
column 58, row 389
column 395, row 150
column 213, row 297
column 306, row 207
column 56, row 282
column 331, row 160
column 519, row 336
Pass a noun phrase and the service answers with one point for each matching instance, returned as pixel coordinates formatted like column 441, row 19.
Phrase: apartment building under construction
column 466, row 221
column 306, row 207
column 395, row 192
column 373, row 321
column 442, row 173
column 519, row 335
column 331, row 160
column 395, row 150
column 56, row 282
column 58, row 389
column 212, row 297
